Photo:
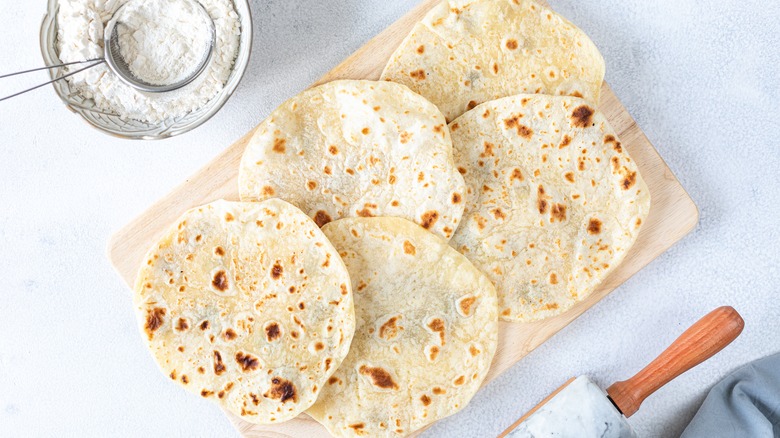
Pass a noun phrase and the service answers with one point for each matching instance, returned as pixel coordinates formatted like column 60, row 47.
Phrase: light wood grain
column 673, row 215
column 700, row 342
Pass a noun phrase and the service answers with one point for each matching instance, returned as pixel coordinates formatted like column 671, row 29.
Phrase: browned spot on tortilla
column 429, row 219
column 357, row 427
column 319, row 346
column 154, row 320
column 511, row 44
column 553, row 278
column 405, row 137
column 638, row 222
column 389, row 329
column 558, row 213
column 327, row 363
column 472, row 104
column 551, row 306
column 499, row 214
column 628, row 181
column 247, row 362
column 206, row 393
column 425, row 400
column 582, row 117
column 184, row 379
column 594, row 226
column 182, row 325
column 409, row 248
column 438, row 391
column 282, row 390
column 454, row 127
column 322, row 218
column 230, row 334
column 566, row 142
column 173, row 375
column 255, row 398
column 350, row 171
column 437, row 325
column 395, row 203
column 277, row 271
column 379, row 376
column 311, row 185
column 333, row 150
column 438, row 129
column 460, row 380
column 466, row 303
column 279, row 145
column 327, row 170
column 434, row 352
column 204, row 325
column 474, row 350
column 421, row 50
column 220, row 281
column 344, row 289
column 516, row 175
column 364, row 213
column 541, row 202
column 418, row 75
column 488, row 150
column 268, row 191
column 333, row 380
column 569, row 176
column 219, row 366
column 522, row 130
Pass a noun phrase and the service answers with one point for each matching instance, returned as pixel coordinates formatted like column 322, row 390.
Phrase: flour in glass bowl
column 80, row 37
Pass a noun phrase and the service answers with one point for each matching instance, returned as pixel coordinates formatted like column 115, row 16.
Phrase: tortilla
column 467, row 52
column 357, row 149
column 427, row 328
column 247, row 305
column 554, row 201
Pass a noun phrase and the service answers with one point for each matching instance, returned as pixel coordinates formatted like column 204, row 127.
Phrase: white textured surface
column 700, row 77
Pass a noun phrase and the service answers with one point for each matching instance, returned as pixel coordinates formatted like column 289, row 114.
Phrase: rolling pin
column 583, row 410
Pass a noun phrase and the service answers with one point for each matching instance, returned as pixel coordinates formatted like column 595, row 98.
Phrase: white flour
column 80, row 37
column 162, row 41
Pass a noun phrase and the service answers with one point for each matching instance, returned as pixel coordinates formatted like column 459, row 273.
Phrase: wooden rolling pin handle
column 700, row 342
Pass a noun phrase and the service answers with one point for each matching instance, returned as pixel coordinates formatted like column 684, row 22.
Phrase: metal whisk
column 112, row 57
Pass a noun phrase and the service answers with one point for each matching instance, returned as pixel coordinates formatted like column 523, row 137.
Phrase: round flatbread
column 357, row 149
column 247, row 305
column 427, row 328
column 554, row 201
column 467, row 52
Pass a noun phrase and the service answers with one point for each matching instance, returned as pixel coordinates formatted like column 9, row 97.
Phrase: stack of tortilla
column 377, row 245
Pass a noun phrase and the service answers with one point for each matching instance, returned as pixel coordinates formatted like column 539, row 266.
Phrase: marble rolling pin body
column 581, row 409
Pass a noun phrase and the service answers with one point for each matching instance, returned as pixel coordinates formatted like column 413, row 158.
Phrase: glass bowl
column 136, row 129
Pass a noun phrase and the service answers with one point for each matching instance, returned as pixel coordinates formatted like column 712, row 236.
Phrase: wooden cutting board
column 673, row 215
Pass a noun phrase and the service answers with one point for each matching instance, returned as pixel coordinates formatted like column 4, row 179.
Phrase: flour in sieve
column 162, row 41
column 80, row 37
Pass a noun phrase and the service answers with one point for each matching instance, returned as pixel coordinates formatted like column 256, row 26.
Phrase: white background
column 700, row 77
